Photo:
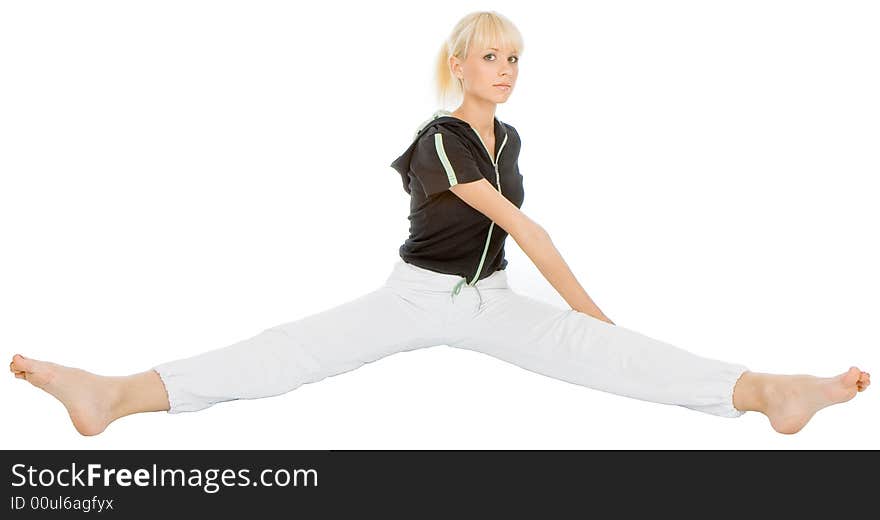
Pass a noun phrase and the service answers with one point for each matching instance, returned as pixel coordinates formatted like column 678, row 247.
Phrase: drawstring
column 457, row 289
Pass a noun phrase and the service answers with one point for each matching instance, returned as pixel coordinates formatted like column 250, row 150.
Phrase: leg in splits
column 578, row 348
column 277, row 360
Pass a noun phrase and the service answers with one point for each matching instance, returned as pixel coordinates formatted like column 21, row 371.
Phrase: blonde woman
column 450, row 287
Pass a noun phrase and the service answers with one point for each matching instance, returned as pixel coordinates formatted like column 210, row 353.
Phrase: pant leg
column 576, row 347
column 281, row 358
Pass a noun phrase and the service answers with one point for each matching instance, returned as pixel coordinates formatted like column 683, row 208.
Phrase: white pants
column 417, row 308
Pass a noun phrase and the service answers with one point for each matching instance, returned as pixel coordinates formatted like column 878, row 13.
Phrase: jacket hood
column 450, row 123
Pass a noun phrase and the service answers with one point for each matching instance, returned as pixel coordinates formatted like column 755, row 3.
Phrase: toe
column 850, row 377
column 21, row 363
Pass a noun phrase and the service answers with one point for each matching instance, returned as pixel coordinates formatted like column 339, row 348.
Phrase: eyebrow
column 494, row 49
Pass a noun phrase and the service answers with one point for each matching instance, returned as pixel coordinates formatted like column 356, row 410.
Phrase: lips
column 502, row 85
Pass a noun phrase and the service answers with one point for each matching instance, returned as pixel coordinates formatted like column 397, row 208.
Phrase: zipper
column 497, row 183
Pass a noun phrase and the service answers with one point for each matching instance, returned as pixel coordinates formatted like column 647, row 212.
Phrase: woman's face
column 484, row 69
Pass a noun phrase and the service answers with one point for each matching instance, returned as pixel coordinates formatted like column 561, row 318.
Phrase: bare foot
column 792, row 400
column 90, row 399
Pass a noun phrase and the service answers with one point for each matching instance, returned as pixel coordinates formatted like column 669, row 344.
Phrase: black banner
column 134, row 484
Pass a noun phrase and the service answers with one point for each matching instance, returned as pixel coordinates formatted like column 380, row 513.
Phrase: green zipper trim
column 453, row 180
column 498, row 183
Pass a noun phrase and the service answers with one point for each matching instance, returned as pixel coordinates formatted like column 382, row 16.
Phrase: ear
column 454, row 66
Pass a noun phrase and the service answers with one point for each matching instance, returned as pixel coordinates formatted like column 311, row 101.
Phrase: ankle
column 118, row 396
column 751, row 392
column 142, row 392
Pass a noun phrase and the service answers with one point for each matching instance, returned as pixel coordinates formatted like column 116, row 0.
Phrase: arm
column 532, row 239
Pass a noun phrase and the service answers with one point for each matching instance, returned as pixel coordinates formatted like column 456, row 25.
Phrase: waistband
column 407, row 274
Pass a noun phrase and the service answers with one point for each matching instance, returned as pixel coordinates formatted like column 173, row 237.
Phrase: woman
column 450, row 287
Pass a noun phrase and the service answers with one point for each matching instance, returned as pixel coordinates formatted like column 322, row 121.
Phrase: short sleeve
column 442, row 160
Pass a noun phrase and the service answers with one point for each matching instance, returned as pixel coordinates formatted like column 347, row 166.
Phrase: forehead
column 494, row 46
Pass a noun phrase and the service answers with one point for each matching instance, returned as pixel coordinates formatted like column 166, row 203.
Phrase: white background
column 178, row 176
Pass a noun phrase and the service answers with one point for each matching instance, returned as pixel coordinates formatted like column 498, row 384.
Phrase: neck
column 480, row 115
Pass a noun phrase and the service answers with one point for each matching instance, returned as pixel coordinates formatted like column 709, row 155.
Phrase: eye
column 493, row 54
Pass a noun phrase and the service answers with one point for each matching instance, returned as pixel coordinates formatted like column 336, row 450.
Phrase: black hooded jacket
column 447, row 235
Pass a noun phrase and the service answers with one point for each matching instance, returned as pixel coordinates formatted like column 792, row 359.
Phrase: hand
column 606, row 319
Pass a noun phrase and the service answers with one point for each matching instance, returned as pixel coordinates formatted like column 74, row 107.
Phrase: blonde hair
column 476, row 30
